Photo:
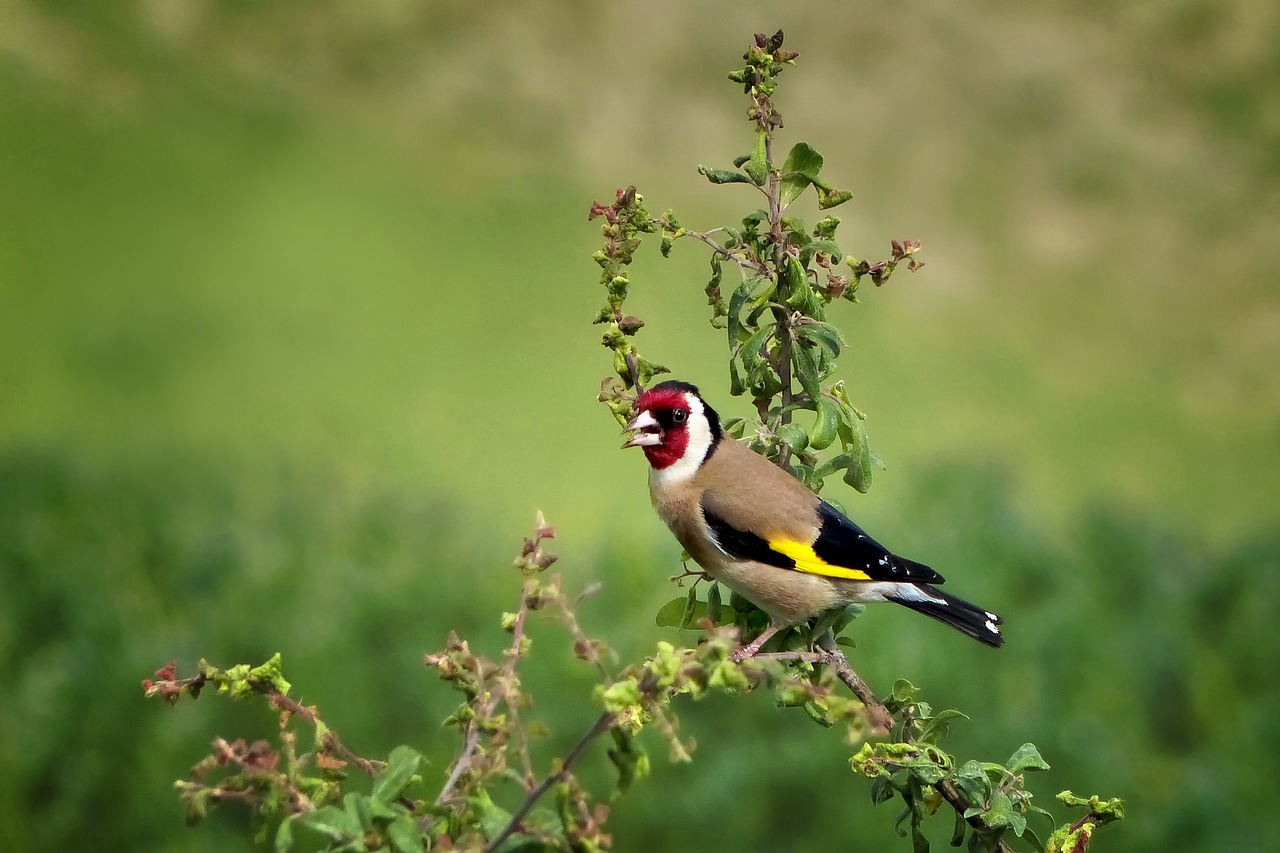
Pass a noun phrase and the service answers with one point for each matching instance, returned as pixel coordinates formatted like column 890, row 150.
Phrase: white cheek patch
column 695, row 451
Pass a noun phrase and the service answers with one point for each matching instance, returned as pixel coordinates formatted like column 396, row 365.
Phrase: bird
column 753, row 527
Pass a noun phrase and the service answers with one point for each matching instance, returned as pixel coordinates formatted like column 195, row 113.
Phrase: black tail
column 982, row 625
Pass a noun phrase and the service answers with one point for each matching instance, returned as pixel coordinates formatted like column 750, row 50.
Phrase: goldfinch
column 757, row 530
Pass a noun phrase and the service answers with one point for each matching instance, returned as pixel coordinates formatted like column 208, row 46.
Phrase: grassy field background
column 294, row 339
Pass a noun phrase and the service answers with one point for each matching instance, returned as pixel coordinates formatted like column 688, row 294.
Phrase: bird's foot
column 751, row 649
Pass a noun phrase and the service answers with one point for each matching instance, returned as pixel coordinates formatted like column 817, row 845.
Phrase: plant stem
column 881, row 717
column 486, row 711
column 715, row 247
column 957, row 801
column 331, row 742
column 829, row 654
column 780, row 315
column 602, row 725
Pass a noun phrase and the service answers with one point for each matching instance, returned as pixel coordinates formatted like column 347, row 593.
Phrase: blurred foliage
column 220, row 226
column 1136, row 656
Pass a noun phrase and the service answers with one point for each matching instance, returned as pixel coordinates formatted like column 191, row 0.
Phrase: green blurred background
column 294, row 338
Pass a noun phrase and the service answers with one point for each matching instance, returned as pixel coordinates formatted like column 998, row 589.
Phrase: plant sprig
column 493, row 797
column 782, row 353
column 782, row 348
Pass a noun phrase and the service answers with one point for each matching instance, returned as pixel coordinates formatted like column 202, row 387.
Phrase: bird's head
column 674, row 426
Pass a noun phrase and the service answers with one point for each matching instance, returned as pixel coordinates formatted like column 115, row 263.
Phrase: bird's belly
column 786, row 595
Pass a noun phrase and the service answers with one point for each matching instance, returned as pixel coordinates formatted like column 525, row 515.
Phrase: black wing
column 841, row 548
column 842, row 543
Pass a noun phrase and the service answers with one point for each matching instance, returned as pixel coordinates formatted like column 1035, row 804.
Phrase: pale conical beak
column 646, row 429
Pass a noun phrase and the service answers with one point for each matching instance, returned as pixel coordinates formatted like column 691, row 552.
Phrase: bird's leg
column 750, row 650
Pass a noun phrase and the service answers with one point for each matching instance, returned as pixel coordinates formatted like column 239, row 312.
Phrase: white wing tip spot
column 991, row 626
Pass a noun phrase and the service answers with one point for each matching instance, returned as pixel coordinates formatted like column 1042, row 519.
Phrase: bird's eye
column 679, row 416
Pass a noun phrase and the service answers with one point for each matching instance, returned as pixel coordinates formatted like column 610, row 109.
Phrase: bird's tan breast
column 751, row 494
column 679, row 506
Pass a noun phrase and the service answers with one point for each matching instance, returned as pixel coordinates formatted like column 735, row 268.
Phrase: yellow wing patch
column 807, row 561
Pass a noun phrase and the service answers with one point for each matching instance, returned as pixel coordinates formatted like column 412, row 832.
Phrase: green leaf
column 829, row 198
column 752, row 349
column 1112, row 809
column 758, row 166
column 802, row 158
column 1027, row 757
column 826, row 227
column 381, row 811
column 799, row 232
column 834, row 464
column 800, row 169
column 904, row 692
column 792, row 277
column 671, row 614
column 794, row 437
column 357, row 805
column 813, row 247
column 404, row 835
column 754, row 289
column 734, row 318
column 493, row 818
column 807, row 371
column 881, row 790
column 1001, row 812
column 972, row 781
column 723, row 176
column 858, row 474
column 1037, row 810
column 714, row 611
column 805, row 299
column 284, row 835
column 826, row 426
column 958, row 831
column 928, row 764
column 824, row 335
column 919, row 844
column 630, row 759
column 934, row 729
column 338, row 825
column 680, row 613
column 396, row 776
column 736, row 386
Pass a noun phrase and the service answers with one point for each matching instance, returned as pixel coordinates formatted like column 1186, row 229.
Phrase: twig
column 583, row 646
column 958, row 802
column 472, row 742
column 602, row 725
column 830, row 655
column 780, row 315
column 881, row 717
column 722, row 251
column 464, row 760
column 330, row 742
